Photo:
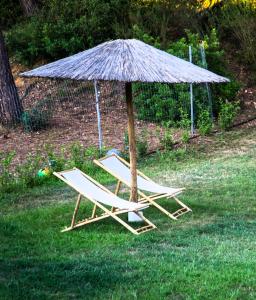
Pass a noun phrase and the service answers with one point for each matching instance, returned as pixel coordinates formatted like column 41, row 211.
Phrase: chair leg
column 119, row 183
column 174, row 215
column 107, row 213
column 76, row 210
column 94, row 211
column 137, row 231
column 163, row 210
column 185, row 209
column 181, row 203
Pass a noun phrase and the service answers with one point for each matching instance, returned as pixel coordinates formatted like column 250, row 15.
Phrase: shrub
column 26, row 174
column 82, row 158
column 62, row 28
column 39, row 116
column 166, row 140
column 185, row 121
column 238, row 21
column 228, row 112
column 142, row 143
column 204, row 123
column 10, row 13
column 161, row 102
column 56, row 161
column 142, row 148
column 27, row 171
column 185, row 137
column 7, row 179
column 155, row 102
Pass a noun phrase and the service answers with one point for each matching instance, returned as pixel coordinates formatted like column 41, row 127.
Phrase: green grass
column 208, row 254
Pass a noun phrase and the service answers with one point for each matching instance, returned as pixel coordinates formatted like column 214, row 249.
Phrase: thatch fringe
column 127, row 61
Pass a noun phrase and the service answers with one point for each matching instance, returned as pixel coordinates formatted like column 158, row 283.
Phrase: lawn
column 207, row 254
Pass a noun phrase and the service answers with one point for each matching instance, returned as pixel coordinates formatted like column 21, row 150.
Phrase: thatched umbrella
column 127, row 61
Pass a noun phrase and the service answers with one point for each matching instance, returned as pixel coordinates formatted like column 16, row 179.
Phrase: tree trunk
column 29, row 7
column 10, row 104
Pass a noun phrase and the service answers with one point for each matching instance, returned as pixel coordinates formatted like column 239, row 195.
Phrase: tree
column 29, row 7
column 10, row 104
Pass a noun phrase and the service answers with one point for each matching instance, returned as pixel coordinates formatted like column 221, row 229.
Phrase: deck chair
column 120, row 169
column 102, row 198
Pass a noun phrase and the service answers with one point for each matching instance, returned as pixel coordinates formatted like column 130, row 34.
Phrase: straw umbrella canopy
column 127, row 61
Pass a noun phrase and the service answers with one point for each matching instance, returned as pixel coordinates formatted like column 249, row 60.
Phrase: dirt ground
column 76, row 120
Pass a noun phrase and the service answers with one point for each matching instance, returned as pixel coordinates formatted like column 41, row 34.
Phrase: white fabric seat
column 120, row 169
column 103, row 200
column 86, row 187
column 113, row 164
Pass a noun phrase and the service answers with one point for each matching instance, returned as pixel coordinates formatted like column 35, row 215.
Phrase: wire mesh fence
column 63, row 111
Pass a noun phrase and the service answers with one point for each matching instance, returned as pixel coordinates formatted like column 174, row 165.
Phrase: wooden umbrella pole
column 132, row 141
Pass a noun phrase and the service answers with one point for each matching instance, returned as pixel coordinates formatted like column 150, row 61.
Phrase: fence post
column 191, row 96
column 97, row 98
column 209, row 95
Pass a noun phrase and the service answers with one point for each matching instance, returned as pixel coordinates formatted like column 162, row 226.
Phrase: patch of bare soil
column 71, row 109
column 74, row 117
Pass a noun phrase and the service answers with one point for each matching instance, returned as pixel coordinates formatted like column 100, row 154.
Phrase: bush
column 7, row 179
column 238, row 21
column 204, row 123
column 27, row 172
column 228, row 112
column 62, row 28
column 142, row 144
column 156, row 102
column 82, row 158
column 142, row 148
column 161, row 102
column 166, row 140
column 185, row 121
column 185, row 137
column 56, row 161
column 10, row 13
column 39, row 116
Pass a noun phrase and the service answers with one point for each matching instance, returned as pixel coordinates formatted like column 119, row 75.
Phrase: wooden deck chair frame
column 143, row 198
column 114, row 212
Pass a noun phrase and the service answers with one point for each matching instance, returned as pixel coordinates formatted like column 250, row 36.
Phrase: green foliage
column 56, row 161
column 164, row 19
column 39, row 116
column 142, row 144
column 27, row 171
column 142, row 148
column 185, row 121
column 24, row 41
column 82, row 158
column 161, row 102
column 25, row 174
column 62, row 28
column 228, row 112
column 211, row 254
column 139, row 34
column 156, row 102
column 237, row 20
column 166, row 140
column 185, row 137
column 77, row 155
column 204, row 123
column 10, row 13
column 6, row 174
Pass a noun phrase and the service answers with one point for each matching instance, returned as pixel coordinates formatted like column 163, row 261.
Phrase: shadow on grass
column 76, row 278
